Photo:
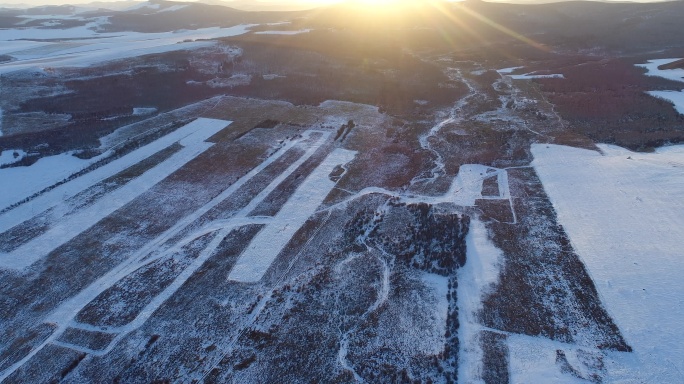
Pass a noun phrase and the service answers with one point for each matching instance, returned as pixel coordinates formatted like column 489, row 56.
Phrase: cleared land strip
column 66, row 230
column 202, row 126
column 266, row 246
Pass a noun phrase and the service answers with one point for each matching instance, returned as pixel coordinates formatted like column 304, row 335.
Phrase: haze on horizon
column 277, row 3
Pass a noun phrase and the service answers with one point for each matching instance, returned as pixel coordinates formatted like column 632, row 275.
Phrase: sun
column 381, row 3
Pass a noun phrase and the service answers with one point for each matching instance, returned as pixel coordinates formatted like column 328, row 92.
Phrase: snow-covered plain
column 677, row 98
column 671, row 74
column 94, row 47
column 624, row 214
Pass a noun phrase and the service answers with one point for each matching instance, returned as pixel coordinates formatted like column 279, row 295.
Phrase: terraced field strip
column 204, row 127
column 66, row 230
column 266, row 246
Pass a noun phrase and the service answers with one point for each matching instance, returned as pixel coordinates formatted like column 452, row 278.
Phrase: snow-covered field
column 43, row 173
column 671, row 74
column 677, row 98
column 624, row 214
column 94, row 47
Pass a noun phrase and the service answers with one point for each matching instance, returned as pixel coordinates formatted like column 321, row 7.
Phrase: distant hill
column 161, row 16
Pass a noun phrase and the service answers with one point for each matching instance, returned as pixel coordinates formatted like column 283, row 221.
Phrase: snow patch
column 440, row 287
column 142, row 111
column 47, row 171
column 94, row 47
column 11, row 156
column 29, row 180
column 676, row 97
column 528, row 76
column 624, row 214
column 670, row 74
column 505, row 71
column 476, row 277
column 173, row 8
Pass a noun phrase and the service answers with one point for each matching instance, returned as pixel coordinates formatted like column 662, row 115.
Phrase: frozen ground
column 90, row 47
column 671, row 74
column 624, row 214
column 677, row 98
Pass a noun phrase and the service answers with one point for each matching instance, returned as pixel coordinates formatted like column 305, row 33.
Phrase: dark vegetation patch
column 495, row 357
column 93, row 340
column 20, row 342
column 339, row 65
column 490, row 186
column 121, row 303
column 606, row 101
column 421, row 236
column 677, row 64
column 544, row 289
column 496, row 210
column 202, row 316
column 55, row 364
column 268, row 123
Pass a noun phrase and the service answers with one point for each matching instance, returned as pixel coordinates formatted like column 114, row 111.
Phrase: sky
column 311, row 3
